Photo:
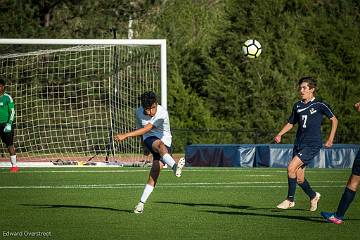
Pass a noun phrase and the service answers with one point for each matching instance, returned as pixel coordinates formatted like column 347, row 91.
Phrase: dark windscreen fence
column 185, row 137
column 265, row 155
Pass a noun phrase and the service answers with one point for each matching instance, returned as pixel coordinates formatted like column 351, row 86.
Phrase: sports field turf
column 205, row 203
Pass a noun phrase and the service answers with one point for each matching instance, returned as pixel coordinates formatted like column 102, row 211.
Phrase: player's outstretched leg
column 331, row 217
column 180, row 165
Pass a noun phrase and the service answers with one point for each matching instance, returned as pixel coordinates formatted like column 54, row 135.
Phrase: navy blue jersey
column 309, row 116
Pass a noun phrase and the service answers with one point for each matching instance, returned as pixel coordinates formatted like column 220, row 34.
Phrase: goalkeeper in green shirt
column 7, row 116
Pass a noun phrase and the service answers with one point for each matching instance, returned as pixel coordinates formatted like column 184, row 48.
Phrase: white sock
column 146, row 193
column 168, row 160
column 13, row 160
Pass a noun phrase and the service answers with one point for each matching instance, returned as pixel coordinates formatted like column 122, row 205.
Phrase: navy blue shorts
column 306, row 154
column 148, row 144
column 356, row 165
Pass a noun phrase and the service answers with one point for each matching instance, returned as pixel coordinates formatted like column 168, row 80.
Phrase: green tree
column 211, row 84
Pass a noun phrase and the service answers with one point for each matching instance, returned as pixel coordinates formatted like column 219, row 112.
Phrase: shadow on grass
column 207, row 205
column 273, row 212
column 232, row 206
column 301, row 218
column 74, row 206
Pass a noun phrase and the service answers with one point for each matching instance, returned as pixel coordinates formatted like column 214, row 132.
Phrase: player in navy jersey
column 308, row 114
column 349, row 192
column 153, row 125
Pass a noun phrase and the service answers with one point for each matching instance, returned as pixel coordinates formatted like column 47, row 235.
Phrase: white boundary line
column 173, row 185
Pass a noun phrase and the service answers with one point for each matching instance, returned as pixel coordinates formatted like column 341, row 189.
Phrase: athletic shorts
column 7, row 138
column 356, row 165
column 306, row 154
column 148, row 144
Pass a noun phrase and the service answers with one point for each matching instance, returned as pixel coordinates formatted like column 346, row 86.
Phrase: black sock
column 346, row 199
column 291, row 189
column 307, row 189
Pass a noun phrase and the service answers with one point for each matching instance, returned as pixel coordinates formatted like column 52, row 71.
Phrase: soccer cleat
column 14, row 169
column 314, row 202
column 179, row 167
column 286, row 204
column 139, row 208
column 331, row 217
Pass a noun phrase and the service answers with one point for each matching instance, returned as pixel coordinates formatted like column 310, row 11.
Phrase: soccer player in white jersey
column 153, row 126
column 308, row 114
column 7, row 116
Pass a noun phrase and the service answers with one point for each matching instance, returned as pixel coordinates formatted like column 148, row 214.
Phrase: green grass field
column 205, row 203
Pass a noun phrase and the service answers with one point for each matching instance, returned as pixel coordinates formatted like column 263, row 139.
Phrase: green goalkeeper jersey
column 7, row 109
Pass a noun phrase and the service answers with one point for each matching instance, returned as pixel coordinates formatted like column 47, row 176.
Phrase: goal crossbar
column 46, row 41
column 160, row 42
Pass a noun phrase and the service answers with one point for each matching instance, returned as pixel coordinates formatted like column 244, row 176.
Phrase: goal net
column 71, row 100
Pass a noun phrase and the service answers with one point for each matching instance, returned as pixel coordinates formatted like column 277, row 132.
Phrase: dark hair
column 2, row 82
column 310, row 81
column 148, row 99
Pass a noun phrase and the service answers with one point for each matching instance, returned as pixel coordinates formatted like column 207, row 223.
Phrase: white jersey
column 160, row 122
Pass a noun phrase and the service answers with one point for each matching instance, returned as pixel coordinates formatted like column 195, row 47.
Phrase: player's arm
column 334, row 124
column 284, row 130
column 137, row 132
column 12, row 112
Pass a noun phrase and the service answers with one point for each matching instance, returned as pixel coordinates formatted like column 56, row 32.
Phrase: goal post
column 72, row 95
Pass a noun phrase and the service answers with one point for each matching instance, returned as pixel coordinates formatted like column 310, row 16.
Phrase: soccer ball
column 251, row 48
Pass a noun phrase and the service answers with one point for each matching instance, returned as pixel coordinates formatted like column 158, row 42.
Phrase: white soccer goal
column 71, row 96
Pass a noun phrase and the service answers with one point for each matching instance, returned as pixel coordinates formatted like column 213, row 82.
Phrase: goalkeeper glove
column 7, row 128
